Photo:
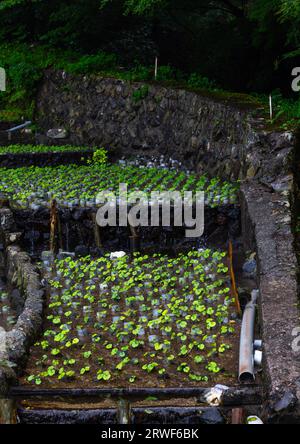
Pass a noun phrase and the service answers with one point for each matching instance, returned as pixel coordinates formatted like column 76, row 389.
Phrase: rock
column 47, row 256
column 14, row 237
column 96, row 252
column 64, row 254
column 283, row 184
column 17, row 301
column 288, row 401
column 251, row 172
column 7, row 379
column 212, row 416
column 117, row 255
column 81, row 251
column 249, row 268
column 57, row 133
column 194, row 142
column 6, row 219
column 77, row 215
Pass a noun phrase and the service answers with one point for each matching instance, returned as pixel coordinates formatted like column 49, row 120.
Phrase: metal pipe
column 19, row 127
column 258, row 356
column 246, row 361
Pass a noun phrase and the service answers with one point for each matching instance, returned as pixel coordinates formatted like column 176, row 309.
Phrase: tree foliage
column 243, row 44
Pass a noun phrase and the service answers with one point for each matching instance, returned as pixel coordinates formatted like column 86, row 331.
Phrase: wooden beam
column 234, row 396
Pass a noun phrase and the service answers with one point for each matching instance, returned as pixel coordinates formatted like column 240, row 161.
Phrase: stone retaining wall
column 43, row 159
column 266, row 221
column 218, row 138
column 23, row 277
column 208, row 135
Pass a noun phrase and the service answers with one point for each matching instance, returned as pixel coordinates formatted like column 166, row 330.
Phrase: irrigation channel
column 166, row 332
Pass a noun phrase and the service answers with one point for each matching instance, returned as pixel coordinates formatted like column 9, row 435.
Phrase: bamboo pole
column 156, row 68
column 53, row 226
column 8, row 411
column 233, row 282
column 96, row 231
column 271, row 106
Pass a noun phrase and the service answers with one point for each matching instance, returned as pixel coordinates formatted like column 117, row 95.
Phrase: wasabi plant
column 79, row 186
column 111, row 320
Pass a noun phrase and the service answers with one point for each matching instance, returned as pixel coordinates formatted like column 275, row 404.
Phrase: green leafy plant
column 99, row 158
column 140, row 93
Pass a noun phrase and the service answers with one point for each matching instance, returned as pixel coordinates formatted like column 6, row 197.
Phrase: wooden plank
column 234, row 396
column 237, row 416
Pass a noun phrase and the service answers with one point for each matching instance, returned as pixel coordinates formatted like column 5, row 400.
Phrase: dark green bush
column 93, row 63
column 200, row 82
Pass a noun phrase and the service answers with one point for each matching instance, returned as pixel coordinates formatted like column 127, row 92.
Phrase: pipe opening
column 246, row 377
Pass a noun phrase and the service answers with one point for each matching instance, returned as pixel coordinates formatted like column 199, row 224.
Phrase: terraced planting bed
column 17, row 156
column 74, row 186
column 36, row 149
column 162, row 322
column 137, row 321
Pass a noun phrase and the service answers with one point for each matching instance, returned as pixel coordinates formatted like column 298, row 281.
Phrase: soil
column 228, row 362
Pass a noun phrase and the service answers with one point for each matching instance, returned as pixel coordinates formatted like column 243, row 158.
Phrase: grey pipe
column 246, row 361
column 19, row 127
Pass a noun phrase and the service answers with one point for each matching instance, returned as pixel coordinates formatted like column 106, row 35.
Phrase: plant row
column 124, row 319
column 24, row 149
column 79, row 186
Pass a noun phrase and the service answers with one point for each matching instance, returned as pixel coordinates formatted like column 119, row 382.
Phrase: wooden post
column 96, row 231
column 53, row 226
column 238, row 416
column 271, row 107
column 8, row 411
column 59, row 231
column 134, row 239
column 123, row 411
column 156, row 68
column 233, row 282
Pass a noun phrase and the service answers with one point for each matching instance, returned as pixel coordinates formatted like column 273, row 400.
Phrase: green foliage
column 287, row 111
column 165, row 73
column 269, row 14
column 139, row 7
column 222, row 40
column 99, row 158
column 153, row 331
column 196, row 81
column 19, row 149
column 141, row 93
column 79, row 185
column 7, row 4
column 93, row 63
column 24, row 66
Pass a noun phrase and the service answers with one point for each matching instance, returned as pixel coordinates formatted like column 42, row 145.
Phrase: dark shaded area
column 78, row 232
column 241, row 44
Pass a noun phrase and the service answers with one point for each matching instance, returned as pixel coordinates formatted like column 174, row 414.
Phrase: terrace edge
column 227, row 140
column 24, row 277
